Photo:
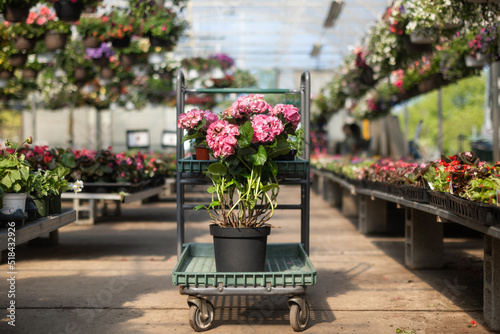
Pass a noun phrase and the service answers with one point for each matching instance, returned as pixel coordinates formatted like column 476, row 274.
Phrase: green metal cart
column 288, row 269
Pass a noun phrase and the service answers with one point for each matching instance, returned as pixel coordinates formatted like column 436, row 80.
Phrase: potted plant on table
column 15, row 180
column 246, row 139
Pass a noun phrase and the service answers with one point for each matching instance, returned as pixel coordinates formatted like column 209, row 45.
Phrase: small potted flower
column 57, row 184
column 196, row 122
column 14, row 179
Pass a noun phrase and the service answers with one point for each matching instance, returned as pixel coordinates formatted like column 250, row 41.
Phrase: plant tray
column 286, row 265
column 480, row 213
column 416, row 194
column 189, row 165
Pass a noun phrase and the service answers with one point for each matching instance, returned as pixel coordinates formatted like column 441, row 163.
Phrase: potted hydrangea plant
column 245, row 141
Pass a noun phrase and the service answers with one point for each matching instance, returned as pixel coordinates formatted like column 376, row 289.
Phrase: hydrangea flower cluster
column 247, row 105
column 266, row 128
column 192, row 119
column 222, row 135
column 221, row 138
column 290, row 113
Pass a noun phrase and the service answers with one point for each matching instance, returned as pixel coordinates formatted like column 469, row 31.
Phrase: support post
column 424, row 240
column 372, row 215
column 332, row 193
column 494, row 110
column 491, row 286
column 349, row 203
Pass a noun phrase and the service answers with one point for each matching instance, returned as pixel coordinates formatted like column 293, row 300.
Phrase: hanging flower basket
column 121, row 42
column 55, row 40
column 160, row 42
column 6, row 74
column 417, row 37
column 18, row 59
column 91, row 42
column 156, row 58
column 413, row 48
column 101, row 62
column 107, row 72
column 125, row 82
column 46, row 57
column 22, row 43
column 16, row 13
column 478, row 60
column 67, row 10
column 29, row 73
column 129, row 59
column 431, row 83
column 81, row 73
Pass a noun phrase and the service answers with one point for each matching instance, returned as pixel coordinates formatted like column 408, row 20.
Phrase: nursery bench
column 423, row 230
column 87, row 202
column 38, row 228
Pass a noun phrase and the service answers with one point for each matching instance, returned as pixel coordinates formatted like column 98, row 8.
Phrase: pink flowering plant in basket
column 245, row 139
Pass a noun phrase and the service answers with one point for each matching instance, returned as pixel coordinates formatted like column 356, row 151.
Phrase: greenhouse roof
column 277, row 34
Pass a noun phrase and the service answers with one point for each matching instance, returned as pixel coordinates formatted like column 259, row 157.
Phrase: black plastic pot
column 42, row 205
column 240, row 249
column 67, row 10
column 55, row 204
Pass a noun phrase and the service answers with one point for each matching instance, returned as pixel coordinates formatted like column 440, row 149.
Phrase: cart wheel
column 196, row 317
column 299, row 318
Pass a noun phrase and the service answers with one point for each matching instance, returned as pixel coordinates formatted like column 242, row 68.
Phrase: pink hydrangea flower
column 221, row 138
column 290, row 113
column 193, row 118
column 247, row 105
column 266, row 128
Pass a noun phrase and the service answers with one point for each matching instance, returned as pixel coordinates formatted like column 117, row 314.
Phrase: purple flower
column 103, row 51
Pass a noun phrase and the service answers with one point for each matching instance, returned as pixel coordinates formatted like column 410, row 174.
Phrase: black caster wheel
column 199, row 322
column 299, row 316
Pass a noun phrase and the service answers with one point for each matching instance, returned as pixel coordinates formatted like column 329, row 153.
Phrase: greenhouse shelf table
column 424, row 242
column 93, row 198
column 36, row 228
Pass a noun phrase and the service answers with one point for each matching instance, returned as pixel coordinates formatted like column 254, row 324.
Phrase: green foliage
column 90, row 26
column 462, row 110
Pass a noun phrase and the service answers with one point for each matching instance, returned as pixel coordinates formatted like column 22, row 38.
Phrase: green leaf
column 268, row 187
column 260, row 158
column 211, row 190
column 246, row 135
column 281, row 147
column 213, row 204
column 195, row 135
column 198, row 207
column 217, row 168
column 253, row 203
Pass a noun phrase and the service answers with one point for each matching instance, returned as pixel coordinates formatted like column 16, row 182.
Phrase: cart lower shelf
column 288, row 272
column 287, row 267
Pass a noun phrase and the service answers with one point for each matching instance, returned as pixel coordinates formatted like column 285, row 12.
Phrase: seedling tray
column 189, row 165
column 286, row 265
